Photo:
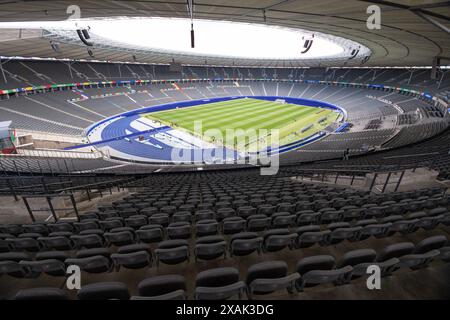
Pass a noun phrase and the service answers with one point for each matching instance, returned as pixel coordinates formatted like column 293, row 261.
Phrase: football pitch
column 293, row 122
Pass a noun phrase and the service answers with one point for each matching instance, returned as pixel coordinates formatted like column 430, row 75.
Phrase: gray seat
column 431, row 243
column 316, row 277
column 308, row 239
column 352, row 214
column 25, row 244
column 429, row 223
column 111, row 224
column 13, row 269
column 132, row 260
column 104, row 291
column 210, row 247
column 219, row 284
column 404, row 226
column 320, row 262
column 182, row 216
column 258, row 222
column 179, row 230
column 92, row 264
column 51, row 267
column 375, row 230
column 395, row 251
column 87, row 241
column 85, row 253
column 41, row 294
column 233, row 225
column 282, row 219
column 57, row 243
column 85, row 225
column 307, row 228
column 246, row 211
column 424, row 253
column 166, row 287
column 35, row 228
column 203, row 215
column 361, row 259
column 286, row 207
column 245, row 243
column 223, row 213
column 320, row 269
column 206, row 227
column 278, row 239
column 172, row 252
column 418, row 260
column 14, row 256
column 150, row 233
column 136, row 221
column 60, row 226
column 330, row 216
column 307, row 218
column 269, row 276
column 445, row 254
column 58, row 255
column 340, row 234
column 13, row 229
column 159, row 218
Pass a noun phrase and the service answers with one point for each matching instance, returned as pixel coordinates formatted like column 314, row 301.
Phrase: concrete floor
column 430, row 283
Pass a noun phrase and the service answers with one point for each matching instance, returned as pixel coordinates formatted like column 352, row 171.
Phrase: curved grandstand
column 119, row 118
column 122, row 159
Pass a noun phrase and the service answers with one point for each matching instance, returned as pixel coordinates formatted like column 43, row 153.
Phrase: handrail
column 55, row 153
column 354, row 175
column 93, row 185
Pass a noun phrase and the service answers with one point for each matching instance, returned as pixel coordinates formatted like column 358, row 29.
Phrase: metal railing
column 51, row 153
column 49, row 198
column 350, row 177
column 29, row 185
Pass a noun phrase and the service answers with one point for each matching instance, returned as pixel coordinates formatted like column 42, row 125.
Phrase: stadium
column 252, row 150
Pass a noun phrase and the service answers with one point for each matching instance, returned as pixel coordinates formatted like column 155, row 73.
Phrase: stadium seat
column 172, row 251
column 278, row 239
column 104, row 291
column 179, row 230
column 269, row 276
column 219, row 284
column 150, row 233
column 92, row 264
column 132, row 260
column 245, row 243
column 166, row 287
column 210, row 247
column 41, row 294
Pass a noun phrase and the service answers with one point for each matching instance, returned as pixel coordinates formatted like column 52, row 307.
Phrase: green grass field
column 289, row 119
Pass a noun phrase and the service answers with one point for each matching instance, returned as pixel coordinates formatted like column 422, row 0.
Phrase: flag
column 13, row 135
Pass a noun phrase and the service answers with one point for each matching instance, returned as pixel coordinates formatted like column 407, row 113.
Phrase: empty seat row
column 170, row 252
column 276, row 229
column 265, row 277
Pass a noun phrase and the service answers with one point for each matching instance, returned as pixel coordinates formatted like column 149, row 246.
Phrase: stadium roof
column 412, row 32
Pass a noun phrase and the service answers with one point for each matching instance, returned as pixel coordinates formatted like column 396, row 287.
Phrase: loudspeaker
column 354, row 53
column 307, row 44
column 55, row 47
column 366, row 58
column 84, row 35
column 434, row 68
